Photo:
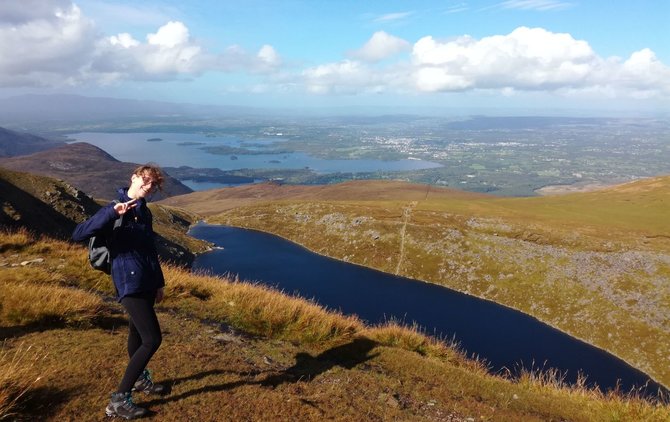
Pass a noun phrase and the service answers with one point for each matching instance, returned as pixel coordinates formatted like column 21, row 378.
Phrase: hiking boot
column 122, row 405
column 145, row 385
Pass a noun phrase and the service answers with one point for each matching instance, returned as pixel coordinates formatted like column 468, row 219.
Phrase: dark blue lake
column 505, row 338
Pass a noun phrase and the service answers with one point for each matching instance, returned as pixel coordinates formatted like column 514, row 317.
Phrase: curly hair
column 152, row 170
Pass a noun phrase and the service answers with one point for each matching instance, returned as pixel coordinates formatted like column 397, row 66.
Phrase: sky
column 581, row 56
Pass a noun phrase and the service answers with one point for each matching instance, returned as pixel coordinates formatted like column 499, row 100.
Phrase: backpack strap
column 118, row 222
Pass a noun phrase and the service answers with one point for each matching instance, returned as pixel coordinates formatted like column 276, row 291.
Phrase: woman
column 138, row 280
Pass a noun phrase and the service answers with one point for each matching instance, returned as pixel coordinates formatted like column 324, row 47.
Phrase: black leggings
column 144, row 336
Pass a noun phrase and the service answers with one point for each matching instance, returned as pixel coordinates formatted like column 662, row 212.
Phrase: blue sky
column 511, row 55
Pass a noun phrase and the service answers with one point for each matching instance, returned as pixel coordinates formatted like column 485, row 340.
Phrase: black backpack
column 98, row 248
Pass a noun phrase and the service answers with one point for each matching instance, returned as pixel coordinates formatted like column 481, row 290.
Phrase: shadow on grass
column 40, row 403
column 105, row 322
column 306, row 368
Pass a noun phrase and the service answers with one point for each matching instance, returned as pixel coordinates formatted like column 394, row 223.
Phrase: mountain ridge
column 67, row 107
column 13, row 143
column 89, row 168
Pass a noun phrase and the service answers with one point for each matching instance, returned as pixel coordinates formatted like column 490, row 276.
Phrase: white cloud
column 51, row 43
column 170, row 35
column 346, row 76
column 124, row 40
column 168, row 53
column 354, row 77
column 541, row 5
column 389, row 17
column 43, row 45
column 381, row 46
column 525, row 60
column 106, row 13
column 456, row 8
column 643, row 69
column 268, row 57
column 21, row 12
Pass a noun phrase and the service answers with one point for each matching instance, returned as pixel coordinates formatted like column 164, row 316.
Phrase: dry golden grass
column 412, row 339
column 43, row 282
column 303, row 362
column 254, row 308
column 27, row 303
column 215, row 201
column 15, row 376
column 611, row 406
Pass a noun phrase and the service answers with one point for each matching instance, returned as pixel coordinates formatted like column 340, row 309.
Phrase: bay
column 186, row 149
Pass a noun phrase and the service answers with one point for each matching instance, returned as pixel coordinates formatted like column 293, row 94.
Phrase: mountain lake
column 506, row 339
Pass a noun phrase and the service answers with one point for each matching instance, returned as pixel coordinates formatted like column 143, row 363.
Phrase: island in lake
column 189, row 143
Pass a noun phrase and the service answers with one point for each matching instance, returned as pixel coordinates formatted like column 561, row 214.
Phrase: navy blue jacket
column 135, row 266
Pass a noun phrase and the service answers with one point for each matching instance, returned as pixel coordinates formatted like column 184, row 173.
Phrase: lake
column 186, row 149
column 505, row 338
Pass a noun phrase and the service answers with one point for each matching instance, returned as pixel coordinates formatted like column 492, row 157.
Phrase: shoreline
column 456, row 290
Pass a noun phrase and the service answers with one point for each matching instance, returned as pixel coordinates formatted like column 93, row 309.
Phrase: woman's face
column 142, row 186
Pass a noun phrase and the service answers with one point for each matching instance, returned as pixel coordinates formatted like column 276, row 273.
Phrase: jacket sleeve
column 95, row 224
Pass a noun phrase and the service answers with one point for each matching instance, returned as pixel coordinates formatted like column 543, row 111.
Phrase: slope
column 595, row 265
column 260, row 355
column 88, row 168
column 14, row 143
column 51, row 207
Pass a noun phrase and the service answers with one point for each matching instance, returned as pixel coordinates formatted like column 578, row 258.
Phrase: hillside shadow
column 173, row 252
column 29, row 211
column 305, row 369
column 40, row 403
column 106, row 322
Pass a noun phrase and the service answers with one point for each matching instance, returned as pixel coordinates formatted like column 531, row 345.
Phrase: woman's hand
column 159, row 295
column 123, row 207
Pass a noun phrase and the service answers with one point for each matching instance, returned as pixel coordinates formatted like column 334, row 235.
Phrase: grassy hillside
column 259, row 355
column 53, row 207
column 595, row 265
column 42, row 204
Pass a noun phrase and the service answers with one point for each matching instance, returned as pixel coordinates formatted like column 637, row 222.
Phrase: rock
column 32, row 261
column 227, row 338
column 389, row 400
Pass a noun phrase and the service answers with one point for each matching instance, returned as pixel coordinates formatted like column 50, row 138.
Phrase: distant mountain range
column 14, row 143
column 76, row 108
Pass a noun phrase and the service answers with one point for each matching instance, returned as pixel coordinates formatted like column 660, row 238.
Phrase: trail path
column 407, row 214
